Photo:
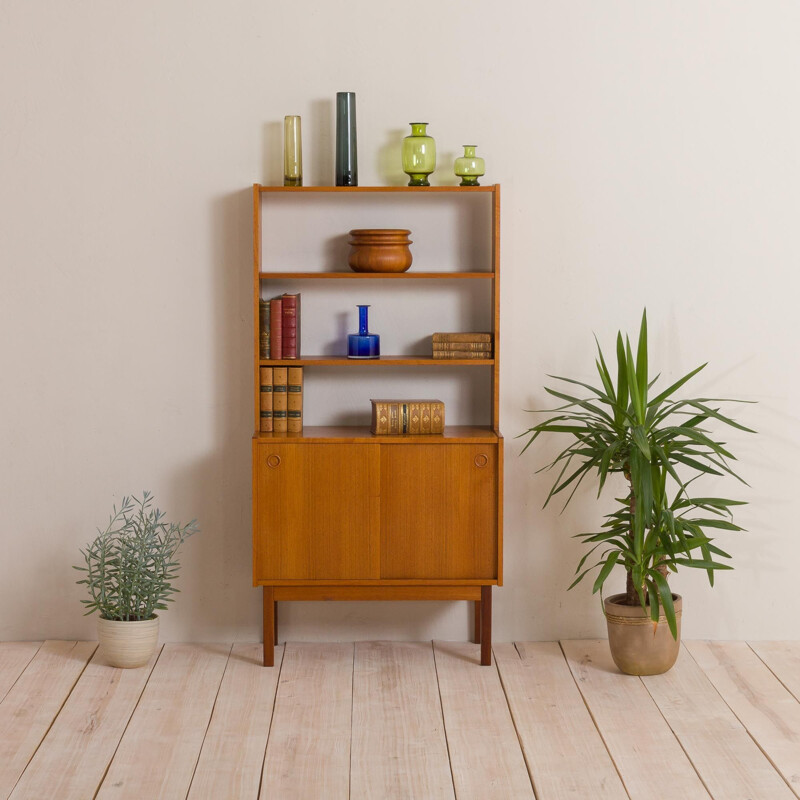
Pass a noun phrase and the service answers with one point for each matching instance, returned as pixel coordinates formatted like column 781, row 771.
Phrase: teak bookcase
column 341, row 514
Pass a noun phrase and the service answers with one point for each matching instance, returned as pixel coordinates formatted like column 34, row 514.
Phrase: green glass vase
column 469, row 167
column 419, row 155
column 292, row 152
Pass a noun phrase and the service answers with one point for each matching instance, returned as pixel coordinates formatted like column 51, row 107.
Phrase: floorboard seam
column 514, row 721
column 741, row 722
column 352, row 710
column 208, row 724
column 122, row 735
column 271, row 719
column 777, row 677
column 594, row 722
column 22, row 671
column 444, row 722
column 55, row 716
column 678, row 738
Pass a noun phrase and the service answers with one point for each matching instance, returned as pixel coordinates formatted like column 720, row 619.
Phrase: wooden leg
column 486, row 626
column 477, row 635
column 269, row 626
column 276, row 622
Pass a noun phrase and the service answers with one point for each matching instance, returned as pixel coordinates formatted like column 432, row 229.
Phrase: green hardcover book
column 263, row 326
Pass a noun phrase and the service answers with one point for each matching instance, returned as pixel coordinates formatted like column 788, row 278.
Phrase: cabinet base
column 481, row 596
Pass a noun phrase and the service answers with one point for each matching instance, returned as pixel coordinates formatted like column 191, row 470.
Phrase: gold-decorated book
column 471, row 354
column 407, row 417
column 462, row 336
column 279, row 399
column 294, row 399
column 478, row 346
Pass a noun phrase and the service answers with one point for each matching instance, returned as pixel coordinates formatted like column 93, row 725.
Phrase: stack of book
column 279, row 327
column 462, row 345
column 407, row 417
column 281, row 392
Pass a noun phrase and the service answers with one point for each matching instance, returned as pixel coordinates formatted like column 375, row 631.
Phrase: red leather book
column 291, row 325
column 275, row 327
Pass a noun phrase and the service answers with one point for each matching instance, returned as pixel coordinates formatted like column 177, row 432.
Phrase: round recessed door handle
column 273, row 460
column 481, row 460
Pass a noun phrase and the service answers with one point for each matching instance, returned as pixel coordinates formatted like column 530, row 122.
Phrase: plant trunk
column 631, row 597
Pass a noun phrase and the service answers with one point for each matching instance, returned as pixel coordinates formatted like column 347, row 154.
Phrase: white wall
column 648, row 154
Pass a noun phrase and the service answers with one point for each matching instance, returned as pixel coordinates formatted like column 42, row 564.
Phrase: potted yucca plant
column 659, row 445
column 130, row 568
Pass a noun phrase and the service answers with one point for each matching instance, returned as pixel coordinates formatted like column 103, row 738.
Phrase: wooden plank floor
column 379, row 720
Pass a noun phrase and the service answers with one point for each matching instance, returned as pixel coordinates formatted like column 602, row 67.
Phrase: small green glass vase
column 469, row 167
column 419, row 155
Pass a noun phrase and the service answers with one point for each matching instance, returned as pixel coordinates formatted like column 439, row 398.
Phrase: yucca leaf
column 611, row 560
column 641, row 364
column 665, row 594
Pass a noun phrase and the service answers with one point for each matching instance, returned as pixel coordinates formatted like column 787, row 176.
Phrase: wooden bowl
column 379, row 250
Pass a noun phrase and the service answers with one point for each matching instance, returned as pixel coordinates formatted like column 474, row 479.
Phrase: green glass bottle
column 469, row 167
column 419, row 155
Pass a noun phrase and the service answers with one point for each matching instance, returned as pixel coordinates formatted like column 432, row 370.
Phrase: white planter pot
column 127, row 644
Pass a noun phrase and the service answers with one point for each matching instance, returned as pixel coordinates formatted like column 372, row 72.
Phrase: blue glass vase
column 363, row 344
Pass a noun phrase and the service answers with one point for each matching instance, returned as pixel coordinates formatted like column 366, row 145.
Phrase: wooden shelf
column 383, row 361
column 357, row 189
column 319, row 434
column 437, row 276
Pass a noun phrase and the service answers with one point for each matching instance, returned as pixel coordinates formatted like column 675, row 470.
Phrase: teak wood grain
column 316, row 512
column 73, row 758
column 438, row 506
column 402, row 517
column 562, row 747
column 371, row 276
column 419, row 190
column 32, row 703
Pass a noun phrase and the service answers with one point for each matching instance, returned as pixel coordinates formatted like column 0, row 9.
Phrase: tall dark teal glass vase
column 363, row 344
column 346, row 151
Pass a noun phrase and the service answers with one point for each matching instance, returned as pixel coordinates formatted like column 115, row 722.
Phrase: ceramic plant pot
column 379, row 250
column 636, row 650
column 128, row 644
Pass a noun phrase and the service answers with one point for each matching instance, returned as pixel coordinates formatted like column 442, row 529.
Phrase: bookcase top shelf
column 357, row 189
column 373, row 275
column 453, row 434
column 383, row 361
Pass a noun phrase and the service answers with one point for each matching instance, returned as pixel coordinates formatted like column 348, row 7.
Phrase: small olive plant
column 131, row 565
column 660, row 445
